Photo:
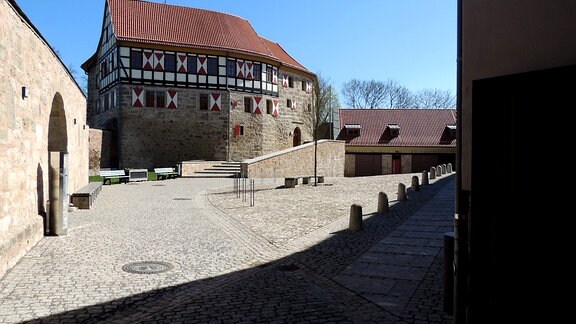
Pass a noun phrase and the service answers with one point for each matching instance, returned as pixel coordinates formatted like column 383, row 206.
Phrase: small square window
column 248, row 104
column 269, row 108
column 160, row 99
column 231, row 68
column 289, row 103
column 303, row 85
column 192, row 64
column 170, row 62
column 290, row 82
column 257, row 72
column 203, row 101
column 269, row 74
column 212, row 66
column 149, row 98
column 136, row 59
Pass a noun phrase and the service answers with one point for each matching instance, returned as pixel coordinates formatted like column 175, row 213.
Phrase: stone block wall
column 350, row 165
column 188, row 168
column 298, row 161
column 25, row 130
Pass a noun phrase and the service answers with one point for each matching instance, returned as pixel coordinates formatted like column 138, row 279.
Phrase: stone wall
column 350, row 165
column 158, row 137
column 188, row 168
column 25, row 128
column 298, row 161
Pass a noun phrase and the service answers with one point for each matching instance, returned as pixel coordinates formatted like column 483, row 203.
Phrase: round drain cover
column 147, row 267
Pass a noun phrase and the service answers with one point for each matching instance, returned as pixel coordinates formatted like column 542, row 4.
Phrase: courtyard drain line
column 147, row 267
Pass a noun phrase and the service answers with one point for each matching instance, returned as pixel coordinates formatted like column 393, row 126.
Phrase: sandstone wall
column 26, row 60
column 298, row 161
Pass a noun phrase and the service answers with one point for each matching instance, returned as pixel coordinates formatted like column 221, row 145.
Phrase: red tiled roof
column 281, row 54
column 418, row 127
column 156, row 23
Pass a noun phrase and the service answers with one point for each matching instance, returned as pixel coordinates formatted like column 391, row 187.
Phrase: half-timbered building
column 170, row 83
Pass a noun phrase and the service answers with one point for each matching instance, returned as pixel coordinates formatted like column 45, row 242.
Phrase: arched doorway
column 109, row 150
column 55, row 223
column 297, row 137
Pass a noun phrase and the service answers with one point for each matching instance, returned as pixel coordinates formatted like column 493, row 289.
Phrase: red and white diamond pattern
column 249, row 71
column 285, row 81
column 257, row 106
column 137, row 97
column 172, row 99
column 159, row 61
column 215, row 102
column 308, row 87
column 275, row 76
column 148, row 60
column 202, row 64
column 182, row 63
column 240, row 69
column 275, row 107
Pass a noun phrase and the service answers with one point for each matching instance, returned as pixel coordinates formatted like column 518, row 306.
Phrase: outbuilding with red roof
column 386, row 141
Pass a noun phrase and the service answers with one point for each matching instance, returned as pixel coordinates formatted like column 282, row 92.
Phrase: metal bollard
column 425, row 178
column 432, row 173
column 439, row 171
column 443, row 168
column 355, row 218
column 449, row 167
column 402, row 192
column 383, row 206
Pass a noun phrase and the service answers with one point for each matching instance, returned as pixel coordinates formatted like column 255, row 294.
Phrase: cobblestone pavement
column 288, row 258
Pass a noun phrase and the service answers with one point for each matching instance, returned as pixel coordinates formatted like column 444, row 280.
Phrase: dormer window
column 451, row 131
column 393, row 129
column 449, row 134
column 353, row 129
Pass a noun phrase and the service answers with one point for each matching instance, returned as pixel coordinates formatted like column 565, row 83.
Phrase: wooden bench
column 85, row 196
column 165, row 173
column 108, row 175
column 291, row 182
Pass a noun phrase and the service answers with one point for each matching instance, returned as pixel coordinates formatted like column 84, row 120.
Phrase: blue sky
column 410, row 41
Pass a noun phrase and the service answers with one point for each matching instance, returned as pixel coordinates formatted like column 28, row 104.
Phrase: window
column 106, row 102
column 231, row 68
column 290, row 82
column 257, row 72
column 203, row 101
column 303, row 85
column 212, row 66
column 136, row 60
column 248, row 104
column 309, row 107
column 160, row 99
column 269, row 74
column 103, row 69
column 353, row 129
column 289, row 103
column 192, row 64
column 170, row 63
column 269, row 108
column 149, row 98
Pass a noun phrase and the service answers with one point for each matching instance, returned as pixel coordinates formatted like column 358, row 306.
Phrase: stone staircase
column 221, row 170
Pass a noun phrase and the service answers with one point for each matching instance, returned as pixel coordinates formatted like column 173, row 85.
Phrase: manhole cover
column 147, row 267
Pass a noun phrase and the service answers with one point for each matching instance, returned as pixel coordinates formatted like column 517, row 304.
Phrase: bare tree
column 391, row 94
column 434, row 98
column 322, row 97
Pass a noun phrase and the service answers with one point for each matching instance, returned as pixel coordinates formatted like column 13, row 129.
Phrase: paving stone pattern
column 289, row 258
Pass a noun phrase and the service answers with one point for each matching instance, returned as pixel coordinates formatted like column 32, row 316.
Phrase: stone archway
column 297, row 137
column 57, row 135
column 55, row 222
